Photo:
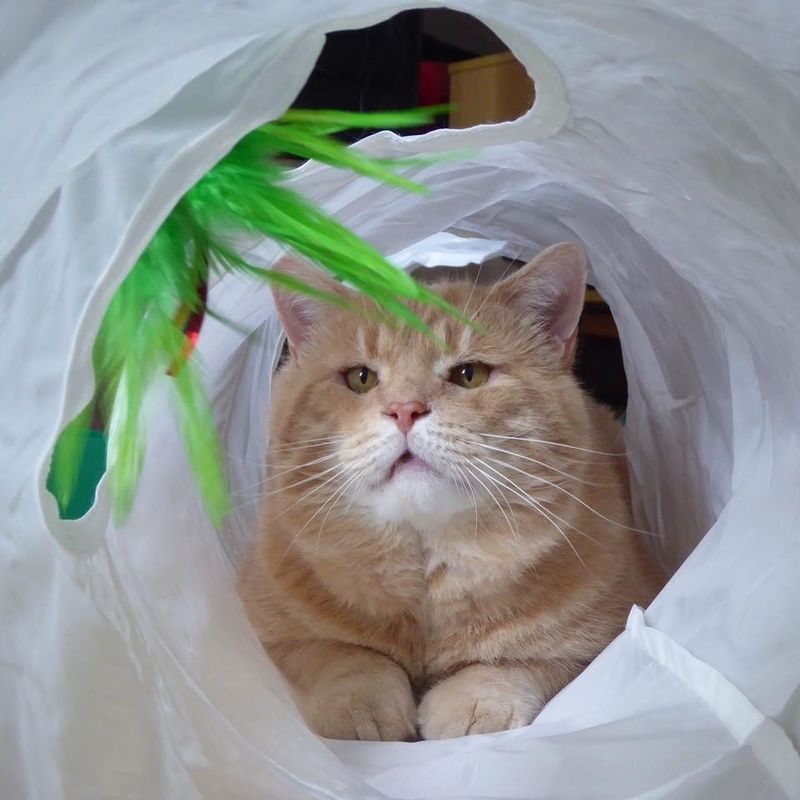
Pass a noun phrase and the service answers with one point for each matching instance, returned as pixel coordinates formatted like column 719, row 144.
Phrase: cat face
column 375, row 420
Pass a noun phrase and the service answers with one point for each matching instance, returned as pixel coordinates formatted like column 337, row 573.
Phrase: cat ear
column 299, row 313
column 553, row 287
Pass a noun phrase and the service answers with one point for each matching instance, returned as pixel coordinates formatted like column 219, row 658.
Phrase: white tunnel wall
column 663, row 137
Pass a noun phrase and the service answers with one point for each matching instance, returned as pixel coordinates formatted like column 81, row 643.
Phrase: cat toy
column 154, row 318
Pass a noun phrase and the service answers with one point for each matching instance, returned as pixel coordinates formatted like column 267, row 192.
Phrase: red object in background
column 434, row 83
column 190, row 322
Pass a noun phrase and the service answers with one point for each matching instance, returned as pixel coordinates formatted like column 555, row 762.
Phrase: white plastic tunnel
column 663, row 137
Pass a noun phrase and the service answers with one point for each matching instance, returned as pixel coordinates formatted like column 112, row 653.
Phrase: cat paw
column 378, row 707
column 478, row 699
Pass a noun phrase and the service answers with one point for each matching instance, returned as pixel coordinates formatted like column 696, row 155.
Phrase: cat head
column 370, row 418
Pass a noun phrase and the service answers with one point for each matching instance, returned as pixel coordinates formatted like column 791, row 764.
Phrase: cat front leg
column 484, row 698
column 349, row 692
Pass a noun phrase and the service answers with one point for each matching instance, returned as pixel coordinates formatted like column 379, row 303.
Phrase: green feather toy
column 153, row 319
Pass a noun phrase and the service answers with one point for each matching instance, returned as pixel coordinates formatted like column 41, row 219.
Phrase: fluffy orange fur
column 458, row 595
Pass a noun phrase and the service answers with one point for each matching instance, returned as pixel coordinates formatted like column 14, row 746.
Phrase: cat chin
column 421, row 499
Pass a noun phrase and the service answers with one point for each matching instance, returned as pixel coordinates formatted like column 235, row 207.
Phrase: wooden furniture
column 597, row 319
column 493, row 88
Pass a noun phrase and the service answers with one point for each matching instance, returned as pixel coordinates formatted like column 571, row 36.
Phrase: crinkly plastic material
column 664, row 137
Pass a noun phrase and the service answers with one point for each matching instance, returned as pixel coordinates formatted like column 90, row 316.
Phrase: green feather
column 201, row 440
column 67, row 457
column 139, row 337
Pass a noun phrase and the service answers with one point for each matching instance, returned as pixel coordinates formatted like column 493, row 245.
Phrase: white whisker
column 469, row 467
column 301, row 482
column 311, row 491
column 340, row 491
column 300, row 499
column 319, row 509
column 363, row 474
column 574, row 497
column 546, row 513
column 330, row 502
column 554, row 444
column 493, row 286
column 542, row 464
column 247, row 489
column 502, row 494
column 467, row 485
column 292, row 442
column 472, row 291
column 539, row 503
column 306, row 444
column 300, row 466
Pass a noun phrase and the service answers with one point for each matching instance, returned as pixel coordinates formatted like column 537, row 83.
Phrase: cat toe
column 381, row 710
column 472, row 702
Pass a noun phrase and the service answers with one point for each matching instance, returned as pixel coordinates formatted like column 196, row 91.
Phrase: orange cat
column 446, row 540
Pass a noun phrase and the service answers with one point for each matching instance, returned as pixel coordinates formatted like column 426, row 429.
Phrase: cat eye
column 470, row 375
column 360, row 379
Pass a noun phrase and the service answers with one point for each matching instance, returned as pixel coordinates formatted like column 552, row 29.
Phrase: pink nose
column 406, row 414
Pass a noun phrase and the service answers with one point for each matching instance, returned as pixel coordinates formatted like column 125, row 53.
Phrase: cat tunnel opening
column 600, row 361
column 707, row 673
column 600, row 364
column 525, row 221
column 522, row 223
